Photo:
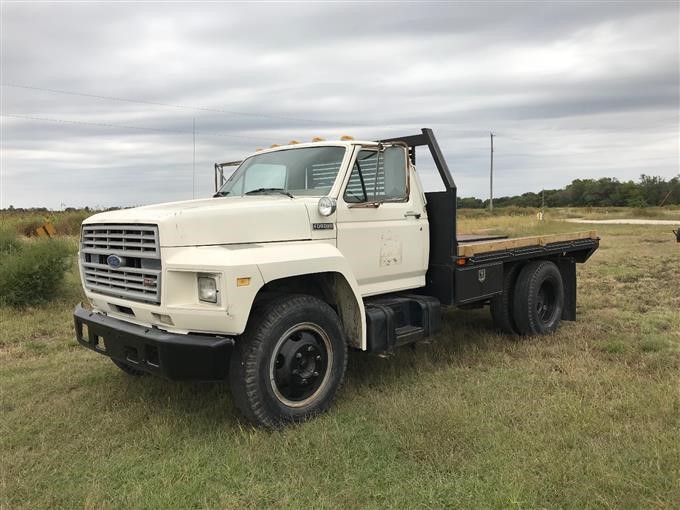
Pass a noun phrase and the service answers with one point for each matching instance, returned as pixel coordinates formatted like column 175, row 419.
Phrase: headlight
column 207, row 289
column 326, row 206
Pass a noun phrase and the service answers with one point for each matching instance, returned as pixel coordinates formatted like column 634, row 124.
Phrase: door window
column 378, row 177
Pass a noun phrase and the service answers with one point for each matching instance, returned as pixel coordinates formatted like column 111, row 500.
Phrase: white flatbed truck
column 306, row 251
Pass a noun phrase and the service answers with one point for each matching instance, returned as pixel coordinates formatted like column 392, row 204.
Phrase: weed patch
column 32, row 273
column 653, row 343
column 614, row 347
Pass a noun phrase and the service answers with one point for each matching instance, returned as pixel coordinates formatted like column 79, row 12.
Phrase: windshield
column 308, row 171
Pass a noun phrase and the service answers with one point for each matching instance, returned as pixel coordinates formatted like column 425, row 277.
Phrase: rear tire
column 502, row 304
column 538, row 300
column 290, row 363
column 129, row 370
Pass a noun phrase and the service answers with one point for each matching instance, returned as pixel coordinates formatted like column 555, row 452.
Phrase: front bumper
column 175, row 356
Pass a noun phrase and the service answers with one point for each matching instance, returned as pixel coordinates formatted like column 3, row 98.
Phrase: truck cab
column 373, row 200
column 306, row 251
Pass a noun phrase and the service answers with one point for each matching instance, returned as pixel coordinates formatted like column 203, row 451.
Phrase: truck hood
column 227, row 220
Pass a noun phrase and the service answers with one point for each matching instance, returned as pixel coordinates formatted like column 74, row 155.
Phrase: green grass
column 31, row 271
column 586, row 418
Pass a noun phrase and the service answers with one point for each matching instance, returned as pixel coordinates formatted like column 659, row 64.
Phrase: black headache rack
column 441, row 214
column 401, row 319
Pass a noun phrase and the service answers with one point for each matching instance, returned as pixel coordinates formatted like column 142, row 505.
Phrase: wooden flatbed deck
column 476, row 238
column 470, row 248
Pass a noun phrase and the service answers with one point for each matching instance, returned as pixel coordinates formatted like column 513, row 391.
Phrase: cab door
column 382, row 223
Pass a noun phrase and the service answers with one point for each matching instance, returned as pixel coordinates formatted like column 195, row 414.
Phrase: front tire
column 290, row 363
column 538, row 299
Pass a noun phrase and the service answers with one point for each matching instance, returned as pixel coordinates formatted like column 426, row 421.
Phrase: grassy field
column 586, row 418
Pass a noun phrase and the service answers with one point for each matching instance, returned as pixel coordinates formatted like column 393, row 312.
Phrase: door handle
column 415, row 214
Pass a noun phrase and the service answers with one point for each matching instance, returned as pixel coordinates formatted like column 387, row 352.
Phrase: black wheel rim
column 299, row 366
column 546, row 302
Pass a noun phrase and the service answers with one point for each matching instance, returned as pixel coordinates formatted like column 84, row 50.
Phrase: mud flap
column 567, row 267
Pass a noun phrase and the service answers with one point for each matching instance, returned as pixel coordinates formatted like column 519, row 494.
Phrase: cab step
column 399, row 320
column 409, row 334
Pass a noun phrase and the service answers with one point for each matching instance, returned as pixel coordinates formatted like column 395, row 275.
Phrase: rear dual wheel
column 532, row 300
column 502, row 304
column 538, row 299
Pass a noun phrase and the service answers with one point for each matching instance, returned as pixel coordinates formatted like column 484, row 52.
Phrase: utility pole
column 193, row 164
column 543, row 204
column 491, row 176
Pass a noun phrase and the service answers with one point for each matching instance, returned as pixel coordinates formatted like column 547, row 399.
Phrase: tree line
column 604, row 192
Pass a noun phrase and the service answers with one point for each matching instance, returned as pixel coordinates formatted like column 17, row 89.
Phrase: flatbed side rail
column 471, row 249
column 579, row 249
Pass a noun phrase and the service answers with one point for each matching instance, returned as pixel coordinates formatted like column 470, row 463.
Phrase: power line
column 139, row 128
column 166, row 105
column 467, row 131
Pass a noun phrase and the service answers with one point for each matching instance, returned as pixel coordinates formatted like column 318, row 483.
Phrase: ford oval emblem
column 114, row 261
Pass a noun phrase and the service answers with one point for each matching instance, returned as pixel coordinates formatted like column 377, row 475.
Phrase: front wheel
column 290, row 363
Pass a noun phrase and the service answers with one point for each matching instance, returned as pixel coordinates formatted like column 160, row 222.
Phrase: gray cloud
column 573, row 90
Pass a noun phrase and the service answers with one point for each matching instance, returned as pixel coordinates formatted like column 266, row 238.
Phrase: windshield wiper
column 221, row 194
column 265, row 190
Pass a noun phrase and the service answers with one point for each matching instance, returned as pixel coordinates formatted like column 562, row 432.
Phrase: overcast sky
column 572, row 90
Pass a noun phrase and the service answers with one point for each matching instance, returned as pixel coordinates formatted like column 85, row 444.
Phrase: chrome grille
column 123, row 240
column 138, row 277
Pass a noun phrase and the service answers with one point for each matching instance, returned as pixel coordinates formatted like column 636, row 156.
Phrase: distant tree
column 674, row 188
column 653, row 188
column 470, row 203
column 603, row 192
